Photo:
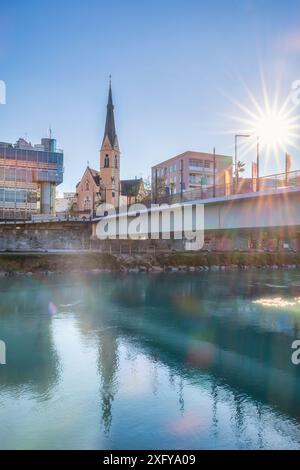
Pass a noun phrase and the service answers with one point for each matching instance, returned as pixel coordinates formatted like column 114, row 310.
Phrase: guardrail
column 270, row 183
column 42, row 220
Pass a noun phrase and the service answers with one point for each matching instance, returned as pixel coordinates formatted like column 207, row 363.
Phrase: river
column 150, row 361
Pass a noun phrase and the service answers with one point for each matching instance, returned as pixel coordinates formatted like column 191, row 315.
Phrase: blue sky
column 176, row 65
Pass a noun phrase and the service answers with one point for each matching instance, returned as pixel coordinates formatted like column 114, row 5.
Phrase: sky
column 181, row 69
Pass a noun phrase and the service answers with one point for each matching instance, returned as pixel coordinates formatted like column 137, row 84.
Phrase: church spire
column 110, row 129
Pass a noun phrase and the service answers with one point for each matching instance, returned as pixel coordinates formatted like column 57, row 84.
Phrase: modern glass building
column 29, row 175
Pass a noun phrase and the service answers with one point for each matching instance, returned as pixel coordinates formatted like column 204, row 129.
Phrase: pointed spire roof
column 110, row 128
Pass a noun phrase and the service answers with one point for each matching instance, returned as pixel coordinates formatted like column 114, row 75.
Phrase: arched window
column 87, row 185
column 87, row 203
column 116, row 161
column 106, row 161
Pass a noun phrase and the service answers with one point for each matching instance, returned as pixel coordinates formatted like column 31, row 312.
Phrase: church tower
column 110, row 158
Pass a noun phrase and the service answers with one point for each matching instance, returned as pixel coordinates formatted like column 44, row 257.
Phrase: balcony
column 201, row 169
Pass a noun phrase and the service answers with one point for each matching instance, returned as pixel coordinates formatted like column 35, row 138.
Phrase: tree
column 172, row 186
column 159, row 188
column 240, row 169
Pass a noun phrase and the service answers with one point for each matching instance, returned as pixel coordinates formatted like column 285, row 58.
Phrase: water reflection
column 185, row 360
column 25, row 326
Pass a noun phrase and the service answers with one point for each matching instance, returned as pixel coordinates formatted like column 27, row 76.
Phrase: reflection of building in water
column 215, row 396
column 180, row 395
column 199, row 336
column 108, row 365
column 97, row 319
column 32, row 361
column 200, row 332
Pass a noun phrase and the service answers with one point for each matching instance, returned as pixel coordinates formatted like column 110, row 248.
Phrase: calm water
column 150, row 361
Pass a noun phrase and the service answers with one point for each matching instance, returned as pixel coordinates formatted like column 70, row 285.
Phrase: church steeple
column 110, row 128
column 110, row 157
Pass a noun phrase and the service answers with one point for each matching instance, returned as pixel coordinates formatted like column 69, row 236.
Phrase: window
column 87, row 185
column 112, row 179
column 106, row 161
column 87, row 203
column 116, row 161
column 195, row 179
column 113, row 194
column 195, row 164
column 206, row 164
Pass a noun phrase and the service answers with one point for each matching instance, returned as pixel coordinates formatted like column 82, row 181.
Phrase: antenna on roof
column 50, row 132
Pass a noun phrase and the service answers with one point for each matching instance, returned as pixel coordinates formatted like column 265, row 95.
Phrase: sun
column 274, row 130
column 273, row 122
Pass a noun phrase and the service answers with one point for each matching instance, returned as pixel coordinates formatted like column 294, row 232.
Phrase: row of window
column 31, row 156
column 29, row 175
column 199, row 179
column 193, row 163
column 199, row 163
column 17, row 195
column 164, row 171
column 87, row 202
column 18, row 214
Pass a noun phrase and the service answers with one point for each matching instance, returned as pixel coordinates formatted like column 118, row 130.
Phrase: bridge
column 272, row 213
column 233, row 218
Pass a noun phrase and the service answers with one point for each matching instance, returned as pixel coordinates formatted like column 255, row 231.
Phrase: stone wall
column 75, row 235
column 45, row 236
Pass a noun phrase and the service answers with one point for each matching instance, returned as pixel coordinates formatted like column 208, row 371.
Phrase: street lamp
column 236, row 137
column 257, row 163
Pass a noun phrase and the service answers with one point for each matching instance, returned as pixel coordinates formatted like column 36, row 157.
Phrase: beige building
column 192, row 170
column 64, row 204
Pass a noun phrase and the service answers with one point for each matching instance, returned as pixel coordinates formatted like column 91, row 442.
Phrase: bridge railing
column 270, row 183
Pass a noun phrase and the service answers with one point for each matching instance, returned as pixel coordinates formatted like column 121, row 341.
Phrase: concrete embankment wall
column 75, row 235
column 45, row 236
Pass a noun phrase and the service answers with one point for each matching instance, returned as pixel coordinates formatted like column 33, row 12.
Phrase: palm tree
column 240, row 169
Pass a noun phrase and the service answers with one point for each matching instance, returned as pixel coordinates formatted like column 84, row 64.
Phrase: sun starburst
column 275, row 123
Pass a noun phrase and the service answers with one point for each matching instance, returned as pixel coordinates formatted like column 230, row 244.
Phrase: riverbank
column 46, row 263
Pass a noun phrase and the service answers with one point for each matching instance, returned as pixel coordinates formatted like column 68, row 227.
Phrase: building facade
column 64, row 204
column 29, row 175
column 104, row 185
column 191, row 170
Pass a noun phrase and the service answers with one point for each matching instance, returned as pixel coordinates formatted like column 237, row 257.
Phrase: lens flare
column 274, row 129
column 274, row 122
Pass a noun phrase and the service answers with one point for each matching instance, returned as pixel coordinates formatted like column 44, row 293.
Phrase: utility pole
column 214, row 174
column 181, row 179
column 257, row 163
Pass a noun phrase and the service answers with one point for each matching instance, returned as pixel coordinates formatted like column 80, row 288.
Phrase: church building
column 104, row 185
